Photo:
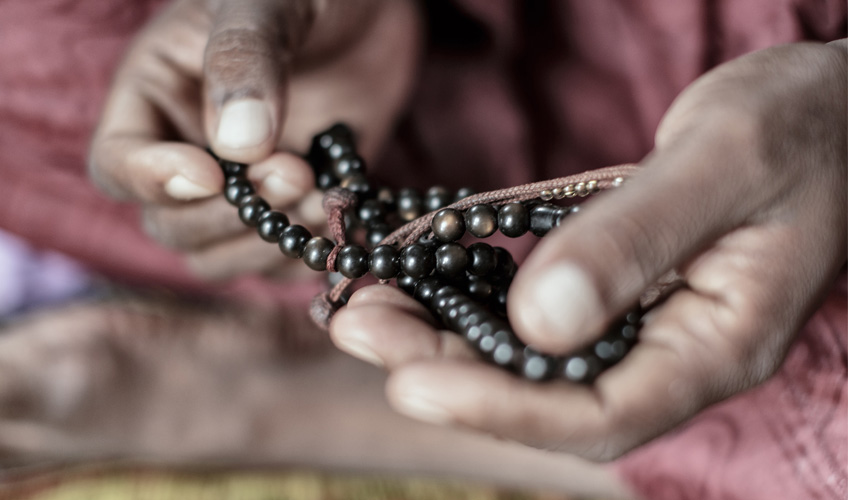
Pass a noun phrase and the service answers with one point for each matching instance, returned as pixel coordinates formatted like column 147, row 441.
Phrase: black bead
column 442, row 296
column 371, row 212
column 505, row 353
column 348, row 165
column 513, row 219
column 542, row 219
column 481, row 220
column 479, row 288
column 482, row 258
column 417, row 261
column 406, row 283
column 499, row 297
column 233, row 169
column 271, row 224
column 383, row 262
column 436, row 198
column 560, row 215
column 341, row 134
column 352, row 261
column 387, row 198
column 451, row 259
column 357, row 184
column 610, row 349
column 463, row 193
column 505, row 265
column 251, row 208
column 425, row 289
column 325, row 181
column 535, row 366
column 583, row 368
column 316, row 251
column 409, row 204
column 237, row 189
column 293, row 240
column 377, row 233
column 448, row 225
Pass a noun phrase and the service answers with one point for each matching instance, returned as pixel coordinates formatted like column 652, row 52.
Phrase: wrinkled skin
column 254, row 80
column 744, row 196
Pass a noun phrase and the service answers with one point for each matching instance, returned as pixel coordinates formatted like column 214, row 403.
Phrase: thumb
column 246, row 67
column 585, row 274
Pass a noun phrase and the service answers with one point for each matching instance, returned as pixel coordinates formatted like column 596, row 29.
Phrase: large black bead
column 348, row 165
column 271, row 225
column 543, row 218
column 316, row 251
column 448, row 225
column 326, row 180
column 513, row 219
column 481, row 220
column 479, row 288
column 406, row 283
column 417, row 261
column 409, row 204
column 236, row 189
column 463, row 193
column 251, row 208
column 384, row 262
column 357, row 184
column 582, row 368
column 535, row 366
column 505, row 265
column 425, row 289
column 371, row 212
column 442, row 296
column 451, row 259
column 481, row 258
column 352, row 261
column 293, row 240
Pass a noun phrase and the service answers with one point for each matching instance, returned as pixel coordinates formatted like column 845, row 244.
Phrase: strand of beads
column 465, row 287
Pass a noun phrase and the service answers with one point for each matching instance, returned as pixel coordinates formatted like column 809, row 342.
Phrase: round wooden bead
column 448, row 225
column 481, row 220
column 271, row 225
column 436, row 198
column 356, row 183
column 543, row 218
column 513, row 219
column 505, row 265
column 463, row 193
column 236, row 189
column 409, row 204
column 326, row 180
column 425, row 289
column 479, row 288
column 383, row 262
column 406, row 283
column 293, row 240
column 233, row 169
column 348, row 165
column 251, row 207
column 482, row 258
column 377, row 233
column 451, row 259
column 352, row 261
column 316, row 251
column 417, row 261
column 371, row 212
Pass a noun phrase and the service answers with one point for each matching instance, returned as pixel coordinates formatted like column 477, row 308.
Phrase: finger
column 282, row 180
column 246, row 68
column 130, row 157
column 382, row 327
column 592, row 269
column 245, row 254
column 675, row 371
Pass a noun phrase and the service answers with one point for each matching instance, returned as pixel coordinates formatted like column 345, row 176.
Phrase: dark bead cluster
column 465, row 287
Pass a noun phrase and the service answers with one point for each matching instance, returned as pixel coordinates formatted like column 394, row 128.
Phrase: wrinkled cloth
column 510, row 92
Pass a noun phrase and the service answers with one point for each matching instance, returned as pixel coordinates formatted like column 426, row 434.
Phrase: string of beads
column 415, row 240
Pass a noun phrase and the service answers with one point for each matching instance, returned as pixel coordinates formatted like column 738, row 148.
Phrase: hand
column 255, row 80
column 744, row 196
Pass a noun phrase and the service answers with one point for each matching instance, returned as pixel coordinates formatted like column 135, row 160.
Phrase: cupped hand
column 254, row 80
column 743, row 197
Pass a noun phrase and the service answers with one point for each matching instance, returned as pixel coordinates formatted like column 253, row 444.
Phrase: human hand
column 744, row 197
column 255, row 80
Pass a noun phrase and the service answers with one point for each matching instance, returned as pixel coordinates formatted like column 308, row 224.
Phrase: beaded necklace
column 413, row 239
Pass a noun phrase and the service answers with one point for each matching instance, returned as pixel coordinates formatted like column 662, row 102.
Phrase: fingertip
column 557, row 310
column 246, row 130
column 282, row 178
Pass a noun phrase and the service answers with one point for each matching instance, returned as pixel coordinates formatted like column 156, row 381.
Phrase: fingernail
column 358, row 349
column 565, row 299
column 280, row 190
column 422, row 408
column 244, row 123
column 180, row 188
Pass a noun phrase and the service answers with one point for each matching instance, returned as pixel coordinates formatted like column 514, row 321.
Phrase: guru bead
column 448, row 225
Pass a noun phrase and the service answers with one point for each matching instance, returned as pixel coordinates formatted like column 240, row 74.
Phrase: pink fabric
column 511, row 92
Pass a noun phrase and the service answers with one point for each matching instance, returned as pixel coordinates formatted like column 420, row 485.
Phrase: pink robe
column 532, row 90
